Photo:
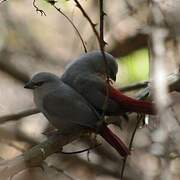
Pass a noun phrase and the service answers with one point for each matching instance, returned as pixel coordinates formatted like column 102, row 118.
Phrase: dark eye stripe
column 39, row 83
column 111, row 72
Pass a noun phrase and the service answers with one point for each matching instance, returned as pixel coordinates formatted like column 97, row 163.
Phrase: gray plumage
column 67, row 110
column 87, row 76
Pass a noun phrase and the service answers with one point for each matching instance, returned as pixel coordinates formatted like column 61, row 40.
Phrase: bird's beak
column 29, row 85
column 114, row 77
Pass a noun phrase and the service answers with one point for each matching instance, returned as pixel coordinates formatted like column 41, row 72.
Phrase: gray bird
column 67, row 110
column 87, row 75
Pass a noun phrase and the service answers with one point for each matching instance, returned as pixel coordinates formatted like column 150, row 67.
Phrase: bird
column 68, row 111
column 87, row 75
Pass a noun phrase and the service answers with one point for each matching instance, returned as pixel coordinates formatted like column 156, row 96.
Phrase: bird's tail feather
column 129, row 104
column 114, row 141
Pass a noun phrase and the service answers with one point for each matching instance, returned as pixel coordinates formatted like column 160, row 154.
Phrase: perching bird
column 87, row 75
column 68, row 111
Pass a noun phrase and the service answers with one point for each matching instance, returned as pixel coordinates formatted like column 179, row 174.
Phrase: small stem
column 130, row 145
column 82, row 151
column 70, row 21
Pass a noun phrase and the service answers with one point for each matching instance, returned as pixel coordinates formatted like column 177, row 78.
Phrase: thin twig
column 130, row 145
column 134, row 132
column 37, row 9
column 101, row 28
column 135, row 86
column 81, row 151
column 101, row 41
column 19, row 115
column 102, row 44
column 88, row 158
column 93, row 25
column 52, row 2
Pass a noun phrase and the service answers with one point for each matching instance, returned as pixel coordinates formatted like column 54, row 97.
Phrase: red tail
column 129, row 104
column 114, row 141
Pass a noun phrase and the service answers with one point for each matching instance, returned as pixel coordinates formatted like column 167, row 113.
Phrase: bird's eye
column 39, row 83
column 111, row 72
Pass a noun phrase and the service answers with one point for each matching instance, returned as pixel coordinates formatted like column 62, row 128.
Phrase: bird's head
column 41, row 79
column 95, row 63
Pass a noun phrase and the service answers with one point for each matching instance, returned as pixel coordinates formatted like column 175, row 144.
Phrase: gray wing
column 66, row 107
column 94, row 90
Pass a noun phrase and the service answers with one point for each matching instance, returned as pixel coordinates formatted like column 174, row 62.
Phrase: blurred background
column 31, row 43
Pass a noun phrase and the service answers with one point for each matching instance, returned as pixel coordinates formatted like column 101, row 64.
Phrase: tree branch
column 135, row 86
column 37, row 9
column 35, row 155
column 18, row 115
column 174, row 85
column 130, row 146
column 52, row 2
column 128, row 45
column 93, row 25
